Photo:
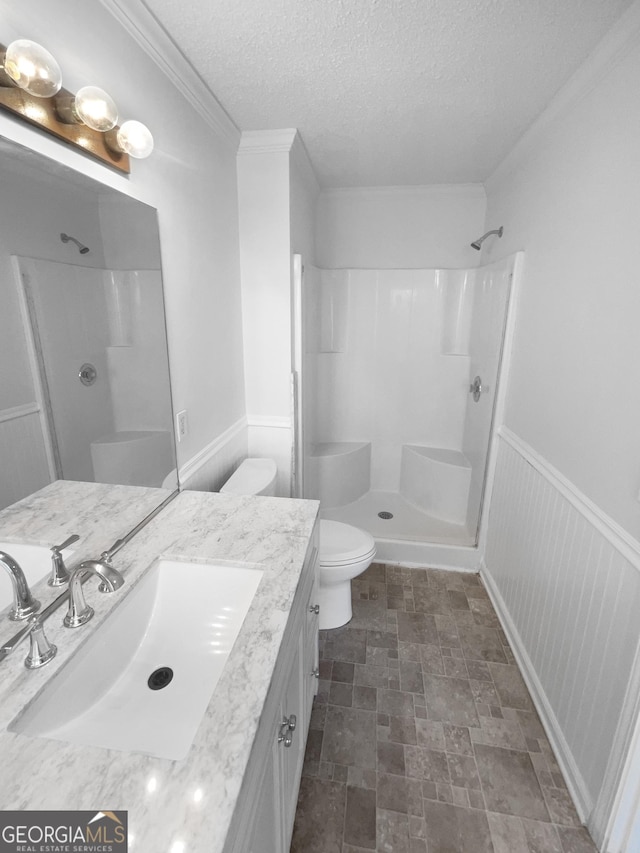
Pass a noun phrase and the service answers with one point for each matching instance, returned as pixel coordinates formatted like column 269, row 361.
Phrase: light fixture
column 32, row 68
column 31, row 87
column 133, row 137
column 91, row 106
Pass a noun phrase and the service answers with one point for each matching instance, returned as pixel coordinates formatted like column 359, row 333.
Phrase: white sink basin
column 35, row 562
column 182, row 616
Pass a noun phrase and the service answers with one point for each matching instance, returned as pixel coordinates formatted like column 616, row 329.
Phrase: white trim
column 622, row 541
column 412, row 554
column 267, row 141
column 572, row 775
column 269, row 421
column 622, row 36
column 615, row 816
column 193, row 465
column 154, row 40
column 623, row 827
column 476, row 190
column 19, row 412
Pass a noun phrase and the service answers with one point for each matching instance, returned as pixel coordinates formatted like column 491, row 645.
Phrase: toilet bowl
column 345, row 551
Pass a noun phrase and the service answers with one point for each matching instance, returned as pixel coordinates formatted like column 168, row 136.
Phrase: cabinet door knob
column 315, row 673
column 315, row 608
column 287, row 726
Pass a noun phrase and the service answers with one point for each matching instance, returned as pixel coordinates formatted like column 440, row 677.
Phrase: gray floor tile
column 509, row 782
column 423, row 737
column 360, row 818
column 451, row 828
column 350, row 737
column 320, row 817
column 450, row 700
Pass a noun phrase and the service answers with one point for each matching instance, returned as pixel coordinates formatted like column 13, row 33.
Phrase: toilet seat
column 341, row 544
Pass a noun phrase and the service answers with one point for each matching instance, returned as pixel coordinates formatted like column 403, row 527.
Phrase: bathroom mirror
column 84, row 373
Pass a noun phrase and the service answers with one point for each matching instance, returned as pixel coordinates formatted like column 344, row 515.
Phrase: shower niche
column 393, row 439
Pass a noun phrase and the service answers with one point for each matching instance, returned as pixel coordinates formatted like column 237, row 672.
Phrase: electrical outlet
column 182, row 425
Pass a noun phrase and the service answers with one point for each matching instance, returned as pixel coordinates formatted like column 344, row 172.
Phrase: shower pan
column 398, row 373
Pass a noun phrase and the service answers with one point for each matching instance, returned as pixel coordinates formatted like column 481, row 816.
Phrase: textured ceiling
column 389, row 92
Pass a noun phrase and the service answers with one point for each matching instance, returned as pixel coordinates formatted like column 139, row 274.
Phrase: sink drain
column 159, row 678
column 385, row 515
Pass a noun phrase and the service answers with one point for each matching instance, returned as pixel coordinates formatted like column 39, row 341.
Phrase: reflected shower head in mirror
column 82, row 249
column 478, row 243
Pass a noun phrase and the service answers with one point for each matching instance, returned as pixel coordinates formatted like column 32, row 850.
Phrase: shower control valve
column 477, row 388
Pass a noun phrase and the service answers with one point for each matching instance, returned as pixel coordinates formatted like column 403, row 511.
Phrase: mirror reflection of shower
column 107, row 415
column 81, row 247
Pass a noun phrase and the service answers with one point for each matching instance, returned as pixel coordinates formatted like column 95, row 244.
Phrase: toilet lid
column 342, row 543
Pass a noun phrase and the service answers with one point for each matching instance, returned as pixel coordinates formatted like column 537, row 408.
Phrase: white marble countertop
column 174, row 806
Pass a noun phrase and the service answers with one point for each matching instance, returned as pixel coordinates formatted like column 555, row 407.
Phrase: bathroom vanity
column 235, row 790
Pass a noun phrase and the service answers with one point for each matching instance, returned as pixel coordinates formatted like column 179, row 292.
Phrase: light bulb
column 96, row 108
column 32, row 68
column 135, row 139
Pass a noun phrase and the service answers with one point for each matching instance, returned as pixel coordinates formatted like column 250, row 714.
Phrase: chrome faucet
column 24, row 604
column 79, row 612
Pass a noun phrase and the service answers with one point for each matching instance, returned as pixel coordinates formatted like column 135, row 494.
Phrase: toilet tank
column 253, row 477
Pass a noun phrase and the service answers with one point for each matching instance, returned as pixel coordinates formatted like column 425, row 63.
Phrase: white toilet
column 345, row 551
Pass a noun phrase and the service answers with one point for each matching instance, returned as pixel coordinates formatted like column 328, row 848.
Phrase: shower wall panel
column 490, row 300
column 382, row 377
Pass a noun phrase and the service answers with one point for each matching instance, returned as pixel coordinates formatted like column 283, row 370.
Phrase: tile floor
column 423, row 736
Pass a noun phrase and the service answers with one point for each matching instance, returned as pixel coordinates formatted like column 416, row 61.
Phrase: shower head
column 477, row 243
column 82, row 249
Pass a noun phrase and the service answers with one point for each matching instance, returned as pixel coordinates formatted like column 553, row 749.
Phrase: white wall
column 571, row 201
column 277, row 191
column 400, row 227
column 190, row 179
column 568, row 196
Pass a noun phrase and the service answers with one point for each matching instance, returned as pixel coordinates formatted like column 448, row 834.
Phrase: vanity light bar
column 31, row 87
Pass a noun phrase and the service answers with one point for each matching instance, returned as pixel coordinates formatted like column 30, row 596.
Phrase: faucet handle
column 59, row 573
column 41, row 651
column 68, row 541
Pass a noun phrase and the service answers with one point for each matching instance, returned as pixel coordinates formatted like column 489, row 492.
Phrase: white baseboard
column 570, row 771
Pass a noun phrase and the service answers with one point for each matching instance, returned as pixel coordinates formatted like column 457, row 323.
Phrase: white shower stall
column 394, row 439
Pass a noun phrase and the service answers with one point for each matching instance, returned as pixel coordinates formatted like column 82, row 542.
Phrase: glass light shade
column 135, row 138
column 32, row 68
column 96, row 108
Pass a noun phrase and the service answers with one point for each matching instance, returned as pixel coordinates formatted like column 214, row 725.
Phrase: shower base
column 409, row 523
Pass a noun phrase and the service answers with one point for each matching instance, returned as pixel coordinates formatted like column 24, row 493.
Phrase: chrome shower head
column 82, row 249
column 478, row 243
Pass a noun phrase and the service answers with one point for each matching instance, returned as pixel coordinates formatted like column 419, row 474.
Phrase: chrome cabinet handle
column 315, row 673
column 314, row 608
column 287, row 726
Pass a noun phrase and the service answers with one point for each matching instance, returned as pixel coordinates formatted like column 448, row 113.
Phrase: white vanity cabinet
column 266, row 807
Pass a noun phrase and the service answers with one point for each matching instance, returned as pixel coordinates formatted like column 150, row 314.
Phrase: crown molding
column 154, row 40
column 267, row 141
column 302, row 162
column 611, row 50
column 476, row 190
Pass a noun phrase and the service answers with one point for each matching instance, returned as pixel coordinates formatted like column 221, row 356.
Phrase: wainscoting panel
column 212, row 467
column 566, row 581
column 25, row 468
